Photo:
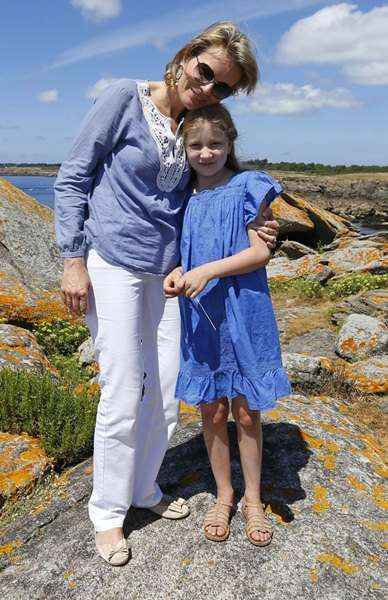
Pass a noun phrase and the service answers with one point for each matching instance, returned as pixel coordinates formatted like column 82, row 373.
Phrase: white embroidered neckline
column 171, row 151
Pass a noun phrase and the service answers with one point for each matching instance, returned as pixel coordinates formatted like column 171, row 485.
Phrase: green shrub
column 355, row 282
column 61, row 415
column 61, row 336
column 300, row 286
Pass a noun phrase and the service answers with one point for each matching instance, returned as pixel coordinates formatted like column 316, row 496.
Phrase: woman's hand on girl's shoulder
column 170, row 283
column 267, row 228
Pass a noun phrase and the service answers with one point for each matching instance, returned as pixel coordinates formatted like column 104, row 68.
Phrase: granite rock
column 361, row 336
column 370, row 375
column 322, row 487
column 19, row 350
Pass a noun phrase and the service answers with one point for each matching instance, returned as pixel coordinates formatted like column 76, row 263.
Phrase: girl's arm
column 194, row 281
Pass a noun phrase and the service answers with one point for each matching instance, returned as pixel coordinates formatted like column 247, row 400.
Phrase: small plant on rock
column 62, row 416
column 355, row 282
column 60, row 336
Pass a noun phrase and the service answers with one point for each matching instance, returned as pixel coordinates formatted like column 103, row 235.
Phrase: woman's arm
column 194, row 281
column 100, row 131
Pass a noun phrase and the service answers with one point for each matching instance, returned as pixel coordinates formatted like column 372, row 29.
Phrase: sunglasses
column 205, row 75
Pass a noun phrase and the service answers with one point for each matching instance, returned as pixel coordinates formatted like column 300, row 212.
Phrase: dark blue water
column 41, row 188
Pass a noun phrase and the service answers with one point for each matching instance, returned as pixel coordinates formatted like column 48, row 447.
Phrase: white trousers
column 136, row 332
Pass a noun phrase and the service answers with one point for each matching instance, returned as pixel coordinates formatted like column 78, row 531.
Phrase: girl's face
column 207, row 149
column 191, row 93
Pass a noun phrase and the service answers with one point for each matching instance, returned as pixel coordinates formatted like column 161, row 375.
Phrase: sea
column 42, row 189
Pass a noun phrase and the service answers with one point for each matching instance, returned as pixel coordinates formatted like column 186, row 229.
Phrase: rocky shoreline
column 323, row 462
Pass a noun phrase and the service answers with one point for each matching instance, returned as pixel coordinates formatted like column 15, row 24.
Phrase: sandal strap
column 246, row 504
column 259, row 523
column 217, row 516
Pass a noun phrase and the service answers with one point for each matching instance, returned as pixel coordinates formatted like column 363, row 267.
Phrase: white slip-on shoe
column 171, row 509
column 114, row 554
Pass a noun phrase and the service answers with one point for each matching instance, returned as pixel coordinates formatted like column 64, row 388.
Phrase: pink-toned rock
column 30, row 266
column 370, row 376
column 290, row 218
column 19, row 350
column 356, row 255
column 22, row 464
column 307, row 369
column 361, row 336
column 284, row 269
column 326, row 224
column 293, row 249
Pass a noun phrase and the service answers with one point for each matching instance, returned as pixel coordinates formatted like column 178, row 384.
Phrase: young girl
column 229, row 345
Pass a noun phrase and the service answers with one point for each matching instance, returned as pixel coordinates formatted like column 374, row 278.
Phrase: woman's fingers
column 76, row 302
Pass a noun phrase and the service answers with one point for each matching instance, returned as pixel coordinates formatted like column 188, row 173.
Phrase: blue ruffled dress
column 242, row 355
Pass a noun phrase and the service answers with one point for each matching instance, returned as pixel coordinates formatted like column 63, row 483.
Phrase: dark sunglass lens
column 205, row 72
column 222, row 90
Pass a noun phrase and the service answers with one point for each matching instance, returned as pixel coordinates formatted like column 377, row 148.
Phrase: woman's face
column 195, row 95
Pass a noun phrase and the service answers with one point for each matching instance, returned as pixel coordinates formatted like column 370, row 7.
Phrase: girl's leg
column 250, row 443
column 158, row 412
column 114, row 319
column 215, row 433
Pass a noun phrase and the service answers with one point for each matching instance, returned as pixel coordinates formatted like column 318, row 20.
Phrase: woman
column 119, row 203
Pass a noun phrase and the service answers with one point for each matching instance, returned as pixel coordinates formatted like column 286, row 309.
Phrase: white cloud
column 341, row 35
column 290, row 99
column 373, row 73
column 100, row 85
column 99, row 10
column 48, row 96
column 185, row 21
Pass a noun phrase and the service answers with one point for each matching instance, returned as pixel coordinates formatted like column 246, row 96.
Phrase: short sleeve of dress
column 260, row 189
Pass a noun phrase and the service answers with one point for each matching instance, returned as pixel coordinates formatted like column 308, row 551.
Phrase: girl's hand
column 267, row 227
column 194, row 281
column 170, row 283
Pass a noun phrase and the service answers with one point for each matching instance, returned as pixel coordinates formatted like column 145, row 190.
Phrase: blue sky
column 324, row 72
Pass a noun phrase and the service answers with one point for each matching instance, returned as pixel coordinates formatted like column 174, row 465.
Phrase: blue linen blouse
column 123, row 187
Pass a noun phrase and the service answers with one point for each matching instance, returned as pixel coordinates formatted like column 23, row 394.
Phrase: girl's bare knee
column 243, row 415
column 216, row 413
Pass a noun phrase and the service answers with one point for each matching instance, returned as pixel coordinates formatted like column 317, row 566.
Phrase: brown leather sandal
column 218, row 516
column 256, row 522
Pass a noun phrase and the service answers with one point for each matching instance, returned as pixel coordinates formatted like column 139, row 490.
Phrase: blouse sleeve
column 260, row 191
column 100, row 131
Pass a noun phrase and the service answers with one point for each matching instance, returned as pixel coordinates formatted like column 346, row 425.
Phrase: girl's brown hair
column 225, row 35
column 220, row 117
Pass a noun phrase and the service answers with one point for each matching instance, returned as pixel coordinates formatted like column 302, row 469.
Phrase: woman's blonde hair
column 225, row 35
column 221, row 118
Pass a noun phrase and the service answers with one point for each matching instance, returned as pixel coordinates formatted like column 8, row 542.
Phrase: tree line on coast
column 313, row 168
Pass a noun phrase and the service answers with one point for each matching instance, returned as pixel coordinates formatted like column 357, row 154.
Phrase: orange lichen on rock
column 314, row 575
column 379, row 496
column 11, row 547
column 335, row 430
column 375, row 525
column 311, row 440
column 188, row 413
column 22, row 462
column 321, row 502
column 27, row 204
column 356, row 483
column 338, row 562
